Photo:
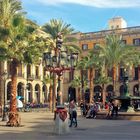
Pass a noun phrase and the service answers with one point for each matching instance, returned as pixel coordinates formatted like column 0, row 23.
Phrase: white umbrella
column 19, row 103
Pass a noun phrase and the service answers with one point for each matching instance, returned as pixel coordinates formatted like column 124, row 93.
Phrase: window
column 136, row 42
column 20, row 70
column 124, row 41
column 85, row 47
column 95, row 46
column 110, row 73
column 97, row 74
column 44, row 72
column 117, row 26
column 136, row 74
column 37, row 71
column 9, row 67
column 28, row 70
column 121, row 74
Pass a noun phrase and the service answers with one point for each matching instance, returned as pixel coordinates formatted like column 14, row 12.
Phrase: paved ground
column 39, row 126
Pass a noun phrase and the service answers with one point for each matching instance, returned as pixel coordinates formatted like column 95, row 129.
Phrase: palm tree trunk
column 54, row 91
column 82, row 86
column 14, row 119
column 139, row 78
column 50, row 91
column 103, row 94
column 114, row 79
column 91, row 84
column 1, row 84
column 79, row 95
column 1, row 91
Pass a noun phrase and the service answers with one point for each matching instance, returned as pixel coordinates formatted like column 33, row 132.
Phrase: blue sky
column 83, row 15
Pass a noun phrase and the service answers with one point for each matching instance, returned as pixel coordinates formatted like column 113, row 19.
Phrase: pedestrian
column 108, row 108
column 0, row 109
column 73, row 113
column 92, row 112
column 82, row 108
column 114, row 109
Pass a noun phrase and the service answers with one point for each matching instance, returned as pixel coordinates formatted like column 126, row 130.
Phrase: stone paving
column 40, row 126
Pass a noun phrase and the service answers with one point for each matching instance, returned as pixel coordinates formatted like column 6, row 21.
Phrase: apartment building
column 130, row 36
column 30, row 77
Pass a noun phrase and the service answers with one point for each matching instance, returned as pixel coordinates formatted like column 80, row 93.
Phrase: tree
column 114, row 52
column 82, row 67
column 91, row 62
column 48, row 79
column 19, row 44
column 7, row 11
column 76, row 83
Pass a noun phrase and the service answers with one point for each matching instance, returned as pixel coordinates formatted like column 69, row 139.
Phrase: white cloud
column 95, row 3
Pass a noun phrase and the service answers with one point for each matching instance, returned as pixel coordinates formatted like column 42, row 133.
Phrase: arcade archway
column 37, row 93
column 98, row 93
column 71, row 94
column 109, row 91
column 45, row 93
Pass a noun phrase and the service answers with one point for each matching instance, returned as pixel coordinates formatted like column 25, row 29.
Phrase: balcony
column 20, row 75
column 103, row 33
column 30, row 77
column 37, row 77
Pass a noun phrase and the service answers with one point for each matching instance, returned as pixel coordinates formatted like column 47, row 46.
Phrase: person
column 92, row 112
column 82, row 108
column 114, row 109
column 0, row 109
column 108, row 108
column 73, row 113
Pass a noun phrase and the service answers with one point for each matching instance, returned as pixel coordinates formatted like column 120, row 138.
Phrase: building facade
column 30, row 83
column 130, row 36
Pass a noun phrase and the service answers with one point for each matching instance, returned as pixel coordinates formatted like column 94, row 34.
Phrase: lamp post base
column 4, row 117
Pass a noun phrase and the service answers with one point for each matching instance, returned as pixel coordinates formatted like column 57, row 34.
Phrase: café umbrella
column 19, row 102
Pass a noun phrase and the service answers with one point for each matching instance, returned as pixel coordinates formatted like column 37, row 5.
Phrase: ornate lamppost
column 58, row 60
column 4, row 116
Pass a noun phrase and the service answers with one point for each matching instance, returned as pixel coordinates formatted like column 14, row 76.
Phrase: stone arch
column 109, row 90
column 45, row 93
column 37, row 93
column 29, row 93
column 87, row 95
column 20, row 89
column 71, row 94
column 8, row 90
column 98, row 93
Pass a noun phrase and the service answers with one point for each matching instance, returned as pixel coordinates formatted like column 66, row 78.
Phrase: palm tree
column 82, row 67
column 7, row 11
column 90, row 62
column 19, row 44
column 48, row 79
column 102, row 80
column 114, row 52
column 55, row 27
column 76, row 83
